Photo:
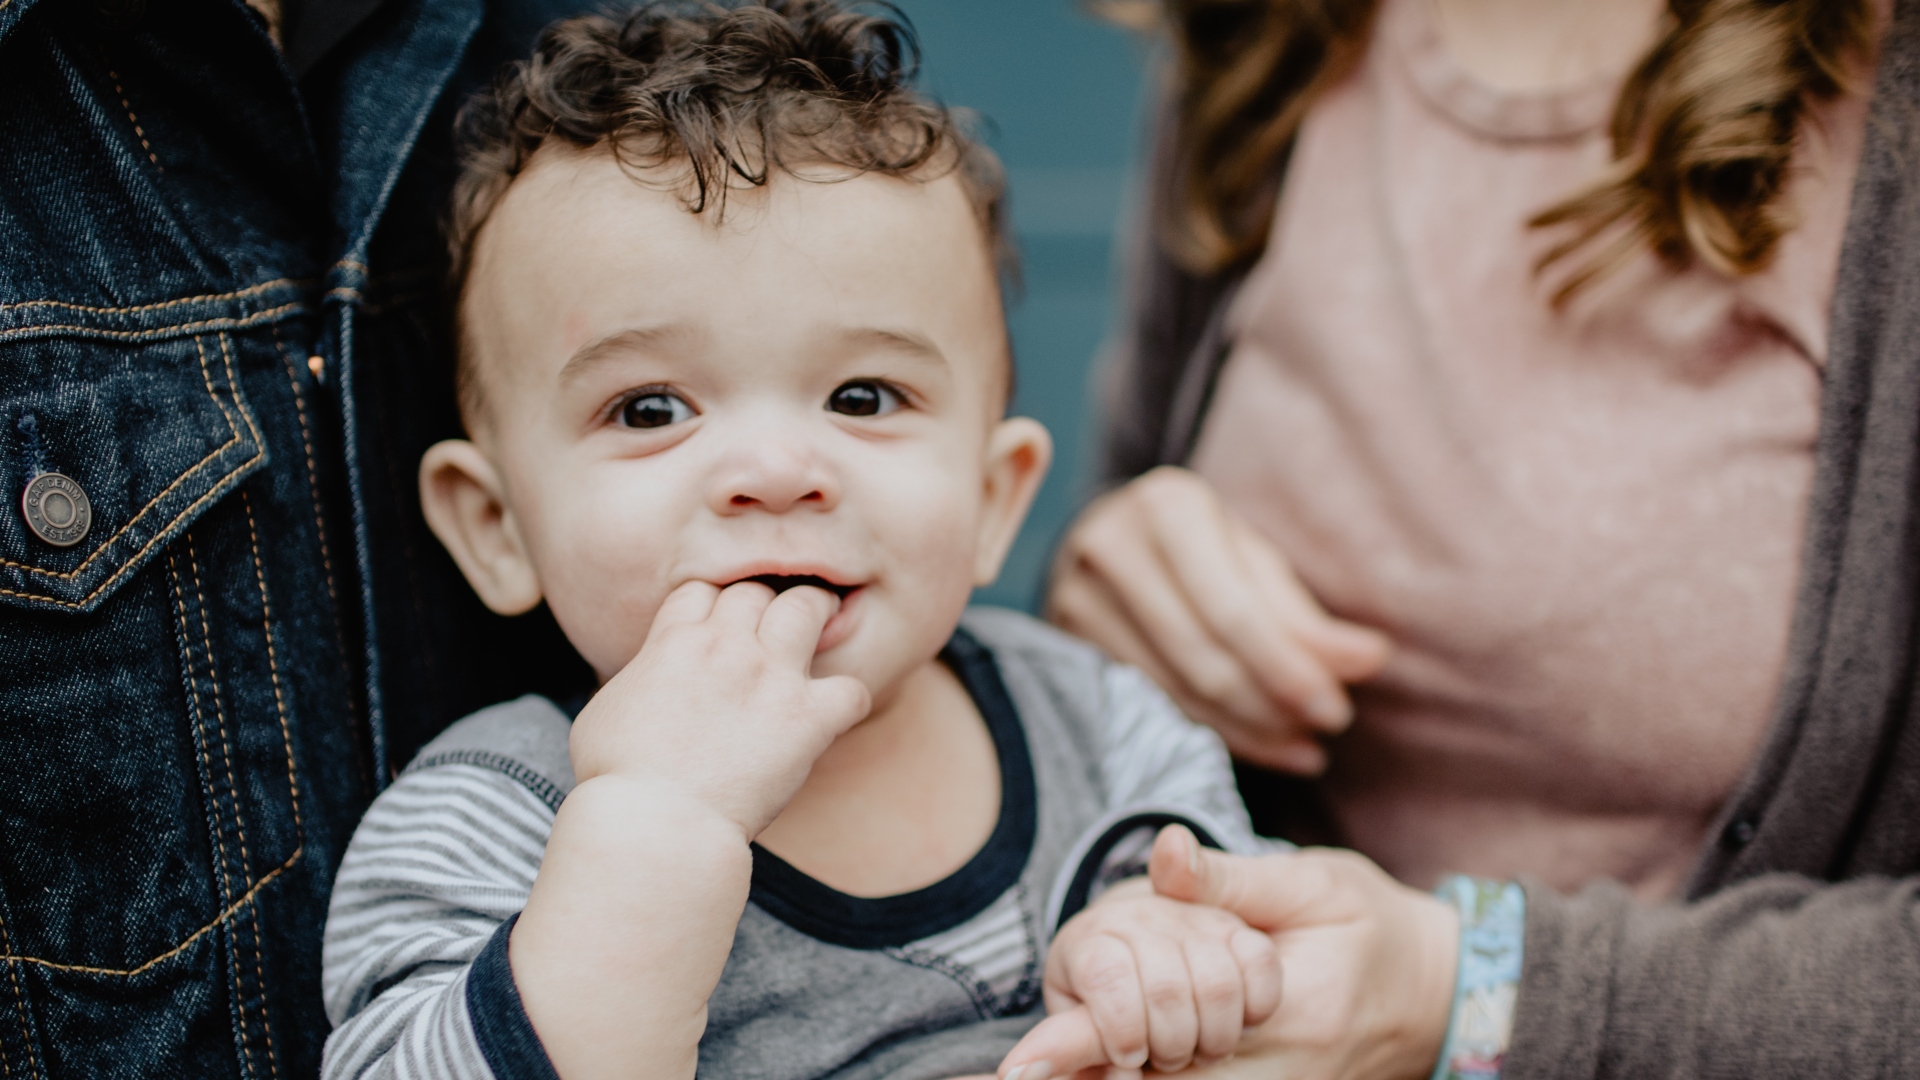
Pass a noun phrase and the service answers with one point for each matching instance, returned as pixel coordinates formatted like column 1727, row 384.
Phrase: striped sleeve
column 1160, row 769
column 442, row 861
column 1155, row 759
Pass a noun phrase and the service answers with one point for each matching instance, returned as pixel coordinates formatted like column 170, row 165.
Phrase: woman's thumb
column 1260, row 890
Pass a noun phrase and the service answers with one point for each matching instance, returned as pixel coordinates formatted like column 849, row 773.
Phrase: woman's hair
column 1702, row 134
column 732, row 93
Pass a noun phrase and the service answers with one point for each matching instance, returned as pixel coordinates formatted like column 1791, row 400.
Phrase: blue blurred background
column 1062, row 92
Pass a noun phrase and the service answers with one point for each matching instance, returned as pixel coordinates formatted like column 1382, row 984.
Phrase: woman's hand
column 1163, row 576
column 1367, row 964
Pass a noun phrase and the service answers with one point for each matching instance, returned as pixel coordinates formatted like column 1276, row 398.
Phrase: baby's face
column 810, row 388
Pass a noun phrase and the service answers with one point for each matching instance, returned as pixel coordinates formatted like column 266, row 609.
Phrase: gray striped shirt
column 933, row 983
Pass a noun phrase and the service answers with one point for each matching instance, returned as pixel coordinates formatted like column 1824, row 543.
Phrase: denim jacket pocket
column 150, row 813
column 141, row 408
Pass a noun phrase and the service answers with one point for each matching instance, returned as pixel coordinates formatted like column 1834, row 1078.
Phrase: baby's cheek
column 605, row 605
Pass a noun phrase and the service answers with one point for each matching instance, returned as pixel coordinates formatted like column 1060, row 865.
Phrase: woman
column 1526, row 487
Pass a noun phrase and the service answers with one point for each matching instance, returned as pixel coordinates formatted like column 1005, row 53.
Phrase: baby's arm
column 1139, row 978
column 681, row 760
column 626, row 900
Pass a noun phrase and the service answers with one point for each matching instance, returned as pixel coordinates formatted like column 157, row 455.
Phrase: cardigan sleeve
column 1780, row 976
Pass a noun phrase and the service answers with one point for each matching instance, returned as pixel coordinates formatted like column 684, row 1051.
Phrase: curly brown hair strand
column 734, row 93
column 1703, row 132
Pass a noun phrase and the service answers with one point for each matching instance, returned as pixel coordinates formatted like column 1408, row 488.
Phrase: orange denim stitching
column 132, row 119
column 222, row 323
column 19, row 1002
column 273, row 666
column 214, row 395
column 313, row 481
column 233, row 787
column 251, row 290
column 199, row 717
column 206, row 761
column 127, row 973
column 220, row 489
column 286, row 742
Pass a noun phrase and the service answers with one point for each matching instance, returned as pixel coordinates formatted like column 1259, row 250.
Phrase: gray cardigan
column 1796, row 951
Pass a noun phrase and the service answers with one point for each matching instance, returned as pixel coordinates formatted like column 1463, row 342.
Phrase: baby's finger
column 740, row 605
column 1219, row 996
column 1104, row 975
column 790, row 626
column 1173, row 1022
column 840, row 701
column 1056, row 1048
column 1260, row 973
column 692, row 602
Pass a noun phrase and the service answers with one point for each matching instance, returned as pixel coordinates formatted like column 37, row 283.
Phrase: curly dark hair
column 1703, row 131
column 736, row 92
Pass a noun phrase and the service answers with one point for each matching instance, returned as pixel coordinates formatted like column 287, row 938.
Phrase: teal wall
column 1061, row 92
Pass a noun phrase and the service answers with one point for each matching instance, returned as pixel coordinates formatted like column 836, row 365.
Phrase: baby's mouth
column 780, row 583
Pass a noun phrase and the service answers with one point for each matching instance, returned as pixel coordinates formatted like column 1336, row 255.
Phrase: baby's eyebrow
column 906, row 343
column 635, row 339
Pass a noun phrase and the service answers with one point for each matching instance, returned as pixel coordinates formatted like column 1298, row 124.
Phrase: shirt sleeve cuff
column 1112, row 850
column 1493, row 924
column 500, row 1023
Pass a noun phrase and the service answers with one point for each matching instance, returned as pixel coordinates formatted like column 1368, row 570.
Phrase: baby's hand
column 719, row 704
column 1138, row 978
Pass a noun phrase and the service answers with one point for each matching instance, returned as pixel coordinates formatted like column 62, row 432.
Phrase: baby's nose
column 776, row 481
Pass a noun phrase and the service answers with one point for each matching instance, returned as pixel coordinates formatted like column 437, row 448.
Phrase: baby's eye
column 655, row 408
column 864, row 398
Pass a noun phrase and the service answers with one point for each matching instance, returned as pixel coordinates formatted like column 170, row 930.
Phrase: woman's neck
column 1533, row 45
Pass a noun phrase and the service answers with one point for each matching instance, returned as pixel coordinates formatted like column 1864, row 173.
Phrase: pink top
column 1582, row 528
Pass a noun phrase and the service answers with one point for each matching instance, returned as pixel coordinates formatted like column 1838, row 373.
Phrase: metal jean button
column 57, row 509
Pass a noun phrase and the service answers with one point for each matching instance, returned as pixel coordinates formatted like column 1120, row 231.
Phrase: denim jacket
column 220, row 322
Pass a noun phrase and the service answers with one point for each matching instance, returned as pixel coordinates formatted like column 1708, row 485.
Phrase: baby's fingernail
column 1193, row 856
column 1328, row 709
column 1032, row 1070
column 1135, row 1061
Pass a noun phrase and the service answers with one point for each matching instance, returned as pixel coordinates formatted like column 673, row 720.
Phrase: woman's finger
column 1083, row 605
column 1195, row 537
column 1268, row 891
column 1350, row 651
column 1148, row 588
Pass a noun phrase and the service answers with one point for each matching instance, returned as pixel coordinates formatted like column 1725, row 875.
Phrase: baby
column 735, row 367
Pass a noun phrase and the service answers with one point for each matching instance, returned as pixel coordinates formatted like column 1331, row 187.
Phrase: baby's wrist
column 676, row 814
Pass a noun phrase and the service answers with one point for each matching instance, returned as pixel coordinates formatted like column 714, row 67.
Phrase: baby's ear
column 465, row 504
column 1018, row 453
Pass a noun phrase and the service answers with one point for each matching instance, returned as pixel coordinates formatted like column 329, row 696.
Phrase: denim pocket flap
column 141, row 411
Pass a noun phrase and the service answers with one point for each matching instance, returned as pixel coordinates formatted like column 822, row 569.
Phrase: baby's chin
column 883, row 658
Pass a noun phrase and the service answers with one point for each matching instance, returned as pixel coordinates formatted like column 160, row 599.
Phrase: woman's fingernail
column 1032, row 1070
column 1193, row 856
column 1328, row 710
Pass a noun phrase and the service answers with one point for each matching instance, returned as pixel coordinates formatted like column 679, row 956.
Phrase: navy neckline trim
column 860, row 922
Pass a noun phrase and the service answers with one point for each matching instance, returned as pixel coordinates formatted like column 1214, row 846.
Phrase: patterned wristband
column 1493, row 923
